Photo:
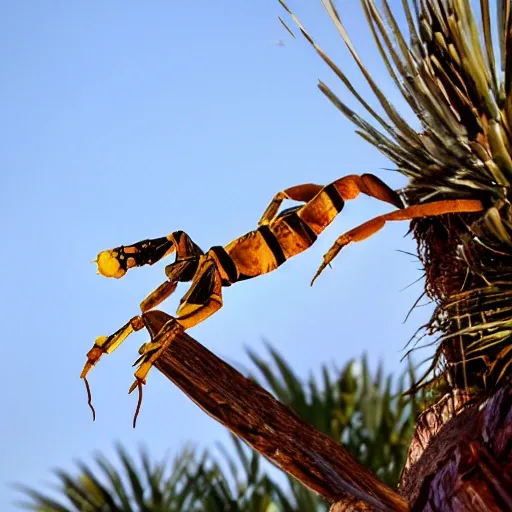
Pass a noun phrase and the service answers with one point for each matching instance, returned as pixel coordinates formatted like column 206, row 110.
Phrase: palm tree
column 453, row 68
column 369, row 412
column 450, row 82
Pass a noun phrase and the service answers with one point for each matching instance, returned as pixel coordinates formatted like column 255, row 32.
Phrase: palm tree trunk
column 468, row 461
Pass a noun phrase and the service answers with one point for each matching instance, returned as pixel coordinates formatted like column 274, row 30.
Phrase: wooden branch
column 271, row 428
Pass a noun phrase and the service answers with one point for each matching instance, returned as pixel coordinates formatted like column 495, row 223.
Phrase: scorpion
column 278, row 237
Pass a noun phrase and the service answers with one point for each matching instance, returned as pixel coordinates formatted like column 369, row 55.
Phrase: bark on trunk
column 467, row 462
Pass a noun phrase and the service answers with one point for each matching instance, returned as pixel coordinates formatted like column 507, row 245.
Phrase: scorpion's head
column 113, row 263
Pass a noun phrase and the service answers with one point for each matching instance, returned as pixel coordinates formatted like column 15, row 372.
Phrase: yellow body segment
column 252, row 255
column 319, row 212
column 288, row 239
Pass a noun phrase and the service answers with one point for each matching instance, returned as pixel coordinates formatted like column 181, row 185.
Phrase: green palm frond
column 144, row 486
column 452, row 67
column 445, row 74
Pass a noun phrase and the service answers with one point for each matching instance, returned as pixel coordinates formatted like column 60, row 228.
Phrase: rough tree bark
column 271, row 428
column 462, row 462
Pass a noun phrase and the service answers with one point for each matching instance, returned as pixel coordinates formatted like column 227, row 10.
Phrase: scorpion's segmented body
column 277, row 238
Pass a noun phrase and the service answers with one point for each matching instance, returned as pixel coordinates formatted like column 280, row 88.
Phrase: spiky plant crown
column 454, row 70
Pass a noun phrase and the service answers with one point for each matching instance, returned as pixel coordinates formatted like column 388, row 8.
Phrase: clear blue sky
column 124, row 120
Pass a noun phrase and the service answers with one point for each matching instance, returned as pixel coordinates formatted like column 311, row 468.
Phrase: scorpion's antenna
column 89, row 398
column 139, row 402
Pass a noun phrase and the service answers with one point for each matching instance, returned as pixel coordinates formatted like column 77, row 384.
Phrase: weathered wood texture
column 270, row 427
column 467, row 464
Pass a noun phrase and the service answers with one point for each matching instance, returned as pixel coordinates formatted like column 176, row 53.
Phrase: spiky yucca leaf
column 455, row 73
column 194, row 482
column 144, row 486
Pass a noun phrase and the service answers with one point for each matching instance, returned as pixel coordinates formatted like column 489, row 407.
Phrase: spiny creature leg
column 148, row 252
column 114, row 263
column 303, row 193
column 163, row 329
column 202, row 300
column 179, row 271
column 107, row 344
column 371, row 227
column 182, row 270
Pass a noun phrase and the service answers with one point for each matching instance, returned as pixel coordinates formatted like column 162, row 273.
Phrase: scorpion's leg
column 371, row 227
column 372, row 186
column 107, row 344
column 163, row 329
column 348, row 187
column 180, row 271
column 303, row 193
column 187, row 258
column 202, row 300
column 116, row 262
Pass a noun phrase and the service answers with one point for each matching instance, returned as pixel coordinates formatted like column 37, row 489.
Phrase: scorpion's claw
column 341, row 242
column 327, row 262
column 318, row 272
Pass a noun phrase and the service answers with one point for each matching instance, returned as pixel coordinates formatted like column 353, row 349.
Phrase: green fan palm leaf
column 453, row 67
